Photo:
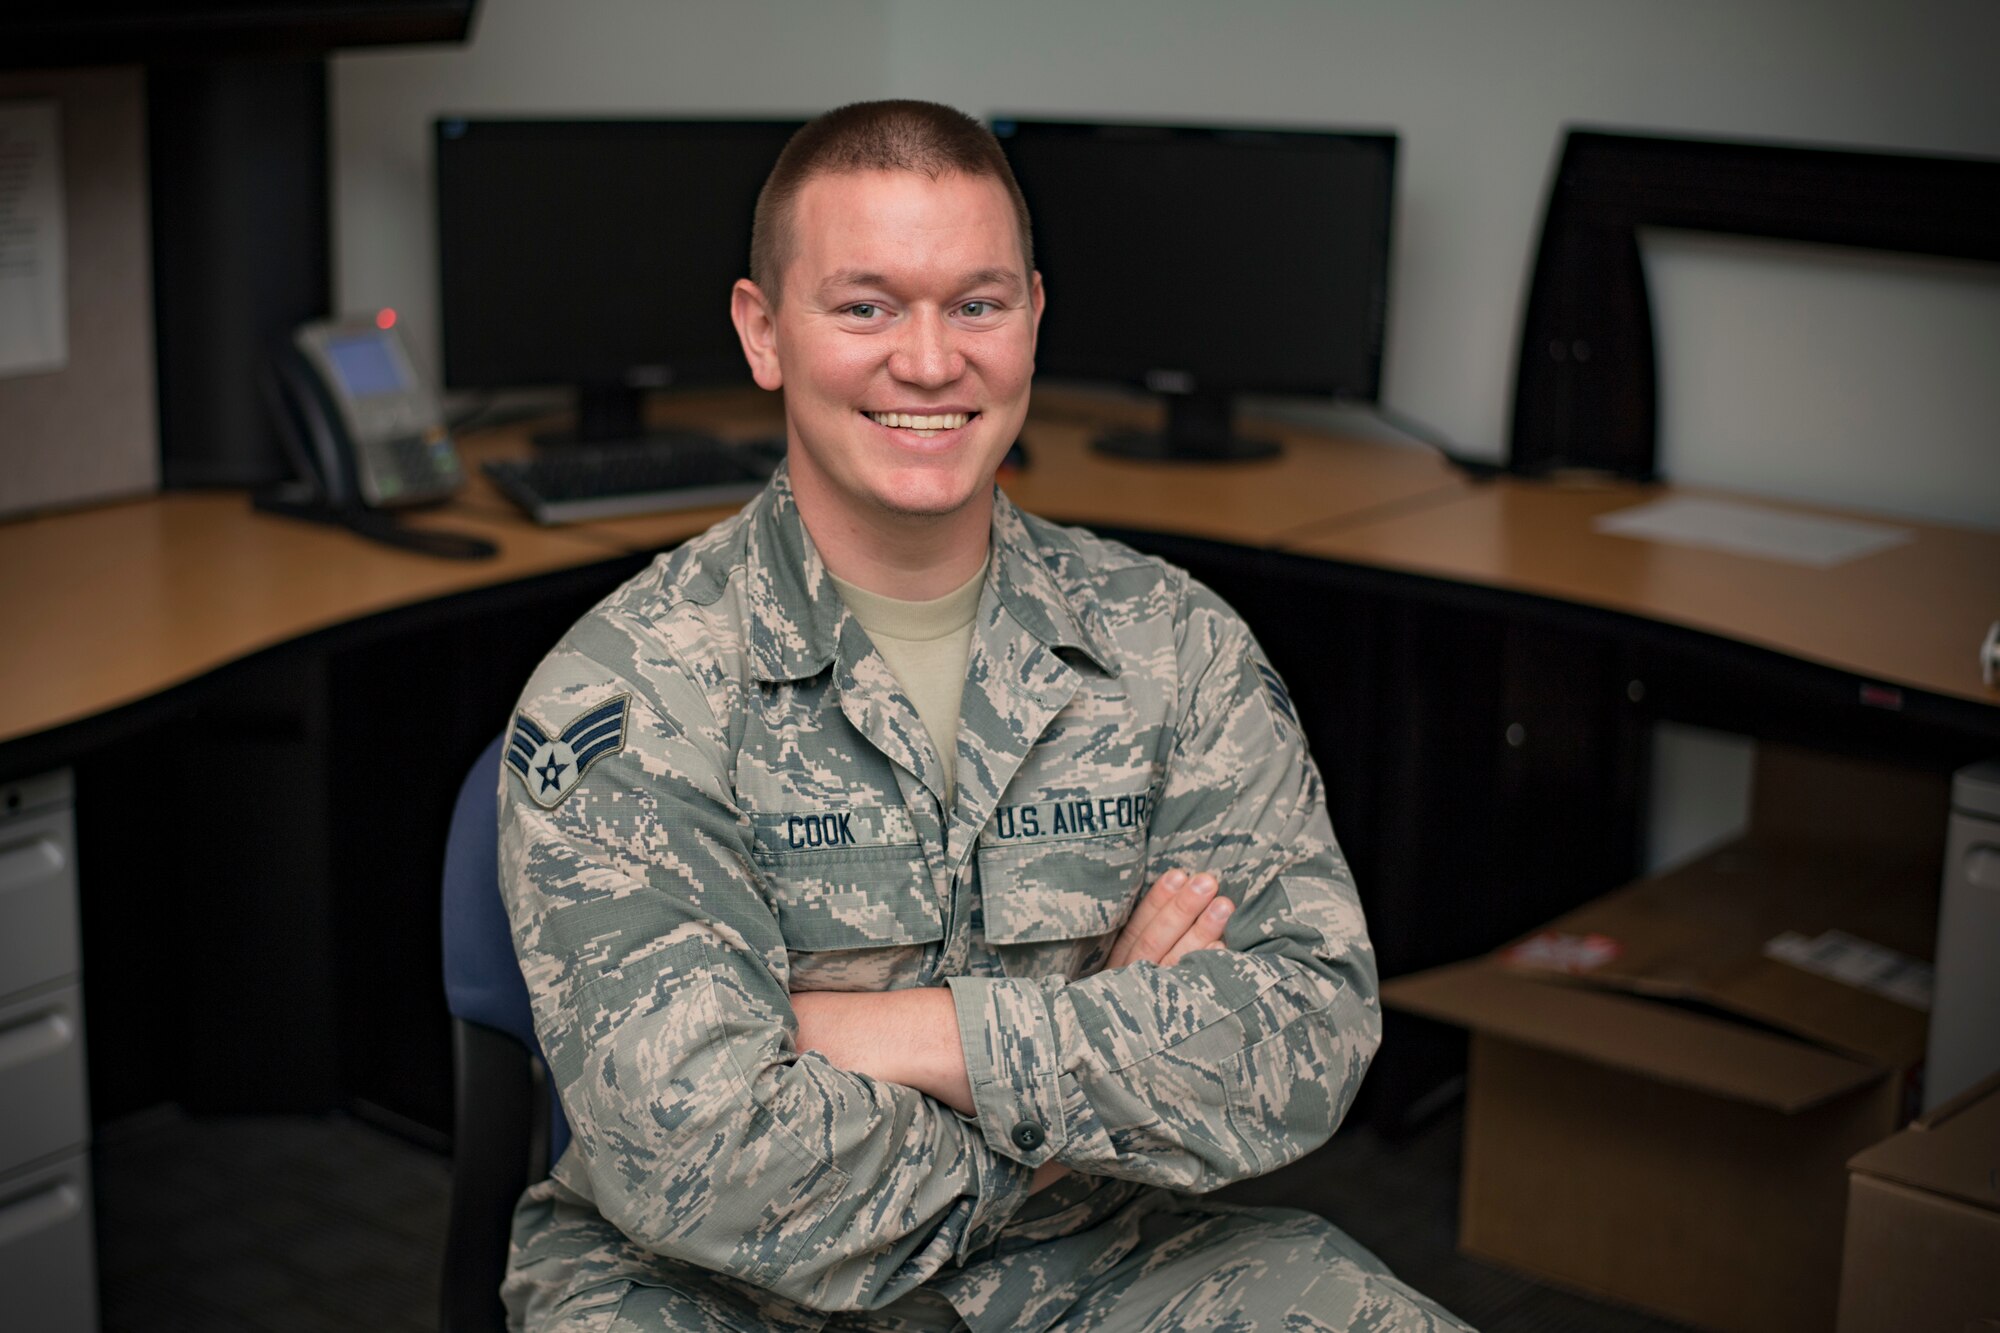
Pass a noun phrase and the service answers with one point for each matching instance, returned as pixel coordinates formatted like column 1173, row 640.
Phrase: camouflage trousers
column 1201, row 1267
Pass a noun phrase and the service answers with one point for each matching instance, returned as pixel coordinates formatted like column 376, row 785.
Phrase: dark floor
column 298, row 1224
column 243, row 1223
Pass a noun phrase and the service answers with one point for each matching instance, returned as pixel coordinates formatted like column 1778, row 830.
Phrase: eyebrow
column 853, row 277
column 984, row 277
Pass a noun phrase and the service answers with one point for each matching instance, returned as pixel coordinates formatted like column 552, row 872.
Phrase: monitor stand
column 611, row 414
column 1198, row 431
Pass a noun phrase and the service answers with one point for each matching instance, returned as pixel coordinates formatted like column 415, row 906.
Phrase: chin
column 927, row 496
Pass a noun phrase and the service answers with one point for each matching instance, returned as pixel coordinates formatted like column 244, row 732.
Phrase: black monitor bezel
column 1163, row 379
column 638, row 376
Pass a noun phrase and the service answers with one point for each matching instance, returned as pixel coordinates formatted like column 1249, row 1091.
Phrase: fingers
column 1169, row 910
column 1204, row 932
column 1180, row 898
column 1157, row 899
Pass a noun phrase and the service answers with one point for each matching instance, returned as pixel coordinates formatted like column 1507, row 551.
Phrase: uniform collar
column 796, row 612
column 1028, row 589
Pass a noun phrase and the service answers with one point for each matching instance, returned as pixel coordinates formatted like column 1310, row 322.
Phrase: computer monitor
column 1203, row 263
column 596, row 253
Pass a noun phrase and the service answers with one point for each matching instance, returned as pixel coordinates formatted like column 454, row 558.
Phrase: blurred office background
column 1858, row 380
column 1787, row 370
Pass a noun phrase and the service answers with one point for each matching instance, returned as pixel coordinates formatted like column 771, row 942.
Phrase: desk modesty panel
column 1911, row 615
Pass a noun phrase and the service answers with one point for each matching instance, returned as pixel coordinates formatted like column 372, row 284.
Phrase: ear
column 757, row 328
column 1036, row 300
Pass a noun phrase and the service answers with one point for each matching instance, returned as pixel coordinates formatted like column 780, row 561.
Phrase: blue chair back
column 482, row 979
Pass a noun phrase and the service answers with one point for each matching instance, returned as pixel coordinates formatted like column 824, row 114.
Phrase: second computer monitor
column 1203, row 263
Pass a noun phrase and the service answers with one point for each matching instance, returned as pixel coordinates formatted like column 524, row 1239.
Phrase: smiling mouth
column 922, row 426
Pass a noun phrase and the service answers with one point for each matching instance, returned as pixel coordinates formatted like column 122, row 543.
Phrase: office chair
column 508, row 1126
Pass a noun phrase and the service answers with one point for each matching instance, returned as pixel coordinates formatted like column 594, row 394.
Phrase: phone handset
column 322, row 462
column 364, row 435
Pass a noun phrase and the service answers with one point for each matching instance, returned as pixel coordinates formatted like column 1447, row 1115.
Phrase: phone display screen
column 366, row 365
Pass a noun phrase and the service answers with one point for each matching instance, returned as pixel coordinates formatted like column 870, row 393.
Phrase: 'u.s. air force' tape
column 550, row 766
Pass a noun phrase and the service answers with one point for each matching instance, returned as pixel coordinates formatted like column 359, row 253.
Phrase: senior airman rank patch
column 1281, row 698
column 550, row 766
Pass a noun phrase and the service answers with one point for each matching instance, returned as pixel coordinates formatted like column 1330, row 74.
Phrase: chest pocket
column 853, row 896
column 1053, row 903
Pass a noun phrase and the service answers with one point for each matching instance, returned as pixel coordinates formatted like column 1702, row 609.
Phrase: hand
column 1179, row 914
column 1047, row 1174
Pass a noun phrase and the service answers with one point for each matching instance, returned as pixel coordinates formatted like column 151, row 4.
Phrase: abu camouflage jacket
column 717, row 794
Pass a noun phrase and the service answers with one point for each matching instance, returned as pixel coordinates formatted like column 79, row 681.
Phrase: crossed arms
column 911, row 1036
column 805, row 1143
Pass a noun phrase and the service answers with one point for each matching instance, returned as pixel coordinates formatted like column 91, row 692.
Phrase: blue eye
column 977, row 308
column 864, row 310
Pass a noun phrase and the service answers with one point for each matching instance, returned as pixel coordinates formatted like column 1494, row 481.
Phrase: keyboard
column 578, row 482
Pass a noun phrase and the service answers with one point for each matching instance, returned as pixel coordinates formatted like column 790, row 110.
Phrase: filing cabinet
column 47, row 1265
column 1964, row 1038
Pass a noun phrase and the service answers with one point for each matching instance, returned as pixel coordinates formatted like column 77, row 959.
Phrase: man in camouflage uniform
column 857, row 1029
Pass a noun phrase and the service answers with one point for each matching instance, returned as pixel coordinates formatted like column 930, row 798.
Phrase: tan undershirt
column 926, row 644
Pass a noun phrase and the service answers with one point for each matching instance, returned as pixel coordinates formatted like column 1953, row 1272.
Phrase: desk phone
column 368, row 429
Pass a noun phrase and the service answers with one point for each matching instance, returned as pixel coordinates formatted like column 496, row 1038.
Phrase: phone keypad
column 415, row 467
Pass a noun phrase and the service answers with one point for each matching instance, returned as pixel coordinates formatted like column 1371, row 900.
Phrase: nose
column 927, row 353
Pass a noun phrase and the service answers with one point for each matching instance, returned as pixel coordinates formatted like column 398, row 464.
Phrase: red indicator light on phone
column 385, row 318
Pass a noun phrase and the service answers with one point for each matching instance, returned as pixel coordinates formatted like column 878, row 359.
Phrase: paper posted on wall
column 34, row 306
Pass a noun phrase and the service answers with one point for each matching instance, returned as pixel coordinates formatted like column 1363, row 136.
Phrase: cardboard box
column 1658, row 1110
column 1923, row 1224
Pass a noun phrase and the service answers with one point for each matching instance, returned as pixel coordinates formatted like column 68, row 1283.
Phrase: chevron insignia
column 550, row 766
column 1281, row 698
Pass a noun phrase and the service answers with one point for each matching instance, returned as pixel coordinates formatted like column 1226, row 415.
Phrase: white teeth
column 925, row 426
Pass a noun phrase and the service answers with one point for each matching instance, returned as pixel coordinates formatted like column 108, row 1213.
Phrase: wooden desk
column 1911, row 616
column 1318, row 482
column 107, row 606
column 126, row 600
column 298, row 796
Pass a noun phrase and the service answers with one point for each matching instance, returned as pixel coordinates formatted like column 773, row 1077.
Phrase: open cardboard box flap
column 1696, row 935
column 1699, row 933
column 1656, row 1041
column 1836, row 845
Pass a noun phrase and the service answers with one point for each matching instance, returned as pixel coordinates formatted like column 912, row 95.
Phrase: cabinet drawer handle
column 41, row 1036
column 47, row 1207
column 30, row 862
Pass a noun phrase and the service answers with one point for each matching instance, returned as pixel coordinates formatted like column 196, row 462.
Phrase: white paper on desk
column 1748, row 529
column 34, row 309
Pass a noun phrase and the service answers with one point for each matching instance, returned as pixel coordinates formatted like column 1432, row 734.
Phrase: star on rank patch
column 550, row 766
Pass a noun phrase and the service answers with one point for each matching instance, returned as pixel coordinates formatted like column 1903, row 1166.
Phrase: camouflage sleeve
column 1232, row 1062
column 658, row 980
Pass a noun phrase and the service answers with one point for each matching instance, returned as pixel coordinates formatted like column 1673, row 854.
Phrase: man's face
column 905, row 342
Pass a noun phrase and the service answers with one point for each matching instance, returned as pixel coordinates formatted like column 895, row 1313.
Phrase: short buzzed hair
column 873, row 136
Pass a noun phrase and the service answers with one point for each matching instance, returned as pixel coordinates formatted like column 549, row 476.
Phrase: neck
column 911, row 557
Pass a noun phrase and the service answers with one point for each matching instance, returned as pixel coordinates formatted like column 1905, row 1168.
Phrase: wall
column 87, row 432
column 1846, row 397
column 1479, row 93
